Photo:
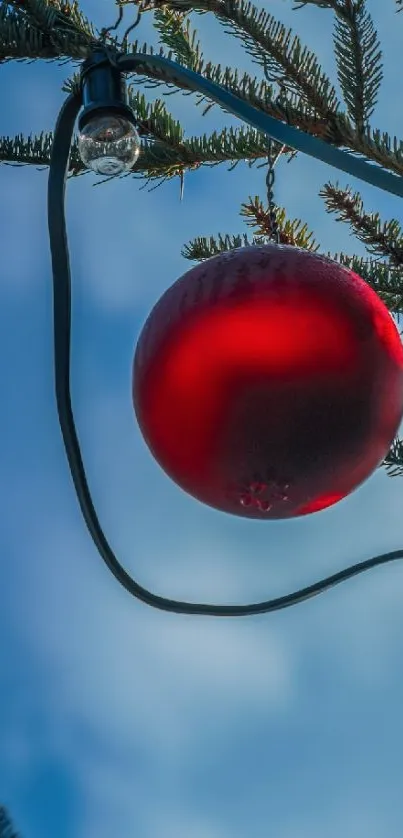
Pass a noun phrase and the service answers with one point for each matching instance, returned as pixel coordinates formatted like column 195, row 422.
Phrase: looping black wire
column 104, row 32
column 133, row 26
column 59, row 165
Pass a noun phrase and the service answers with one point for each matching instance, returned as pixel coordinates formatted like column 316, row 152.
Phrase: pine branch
column 338, row 132
column 358, row 60
column 306, row 94
column 175, row 33
column 18, row 38
column 6, row 828
column 393, row 463
column 267, row 41
column 291, row 232
column 385, row 241
column 39, row 29
column 259, row 94
column 202, row 248
column 168, row 155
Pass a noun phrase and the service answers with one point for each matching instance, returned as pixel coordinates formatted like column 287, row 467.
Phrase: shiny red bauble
column 268, row 381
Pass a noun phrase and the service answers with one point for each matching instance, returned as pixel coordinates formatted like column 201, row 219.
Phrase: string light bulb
column 108, row 141
column 109, row 144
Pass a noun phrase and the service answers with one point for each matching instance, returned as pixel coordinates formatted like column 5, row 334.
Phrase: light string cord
column 105, row 31
column 59, row 165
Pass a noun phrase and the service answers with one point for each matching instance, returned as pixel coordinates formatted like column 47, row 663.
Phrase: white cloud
column 23, row 209
column 123, row 668
column 348, row 820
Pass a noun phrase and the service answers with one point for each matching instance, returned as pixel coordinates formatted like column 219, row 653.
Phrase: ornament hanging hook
column 274, row 229
column 272, row 160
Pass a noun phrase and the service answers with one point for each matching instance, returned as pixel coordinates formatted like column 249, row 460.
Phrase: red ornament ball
column 268, row 381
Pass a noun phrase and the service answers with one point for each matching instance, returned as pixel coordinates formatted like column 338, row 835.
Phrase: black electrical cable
column 62, row 329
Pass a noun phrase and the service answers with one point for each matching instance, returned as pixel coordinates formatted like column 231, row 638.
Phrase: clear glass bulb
column 109, row 144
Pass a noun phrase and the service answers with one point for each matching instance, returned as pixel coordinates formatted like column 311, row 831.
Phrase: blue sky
column 116, row 719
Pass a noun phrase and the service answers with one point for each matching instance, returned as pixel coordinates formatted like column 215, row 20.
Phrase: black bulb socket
column 103, row 90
